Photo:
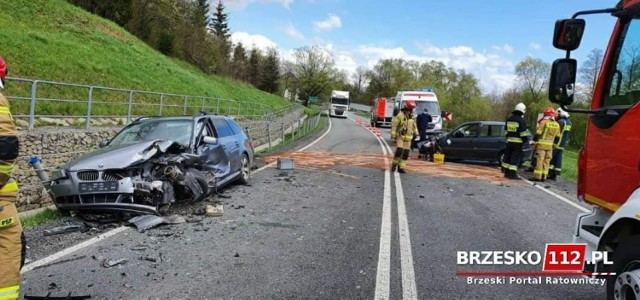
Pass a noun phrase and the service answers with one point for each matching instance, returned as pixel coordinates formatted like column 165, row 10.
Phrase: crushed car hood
column 119, row 156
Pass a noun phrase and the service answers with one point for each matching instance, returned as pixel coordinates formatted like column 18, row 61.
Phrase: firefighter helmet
column 562, row 113
column 410, row 105
column 521, row 107
column 3, row 71
column 549, row 112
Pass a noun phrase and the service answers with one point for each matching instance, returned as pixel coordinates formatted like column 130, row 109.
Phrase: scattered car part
column 49, row 297
column 285, row 164
column 62, row 229
column 214, row 211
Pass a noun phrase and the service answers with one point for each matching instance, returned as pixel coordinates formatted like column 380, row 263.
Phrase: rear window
column 222, row 128
column 234, row 127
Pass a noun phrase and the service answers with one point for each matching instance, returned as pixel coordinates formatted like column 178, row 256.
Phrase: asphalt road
column 336, row 227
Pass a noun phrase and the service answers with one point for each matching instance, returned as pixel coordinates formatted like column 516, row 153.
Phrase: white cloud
column 504, row 48
column 293, row 32
column 250, row 41
column 330, row 23
column 535, row 46
column 494, row 71
column 242, row 4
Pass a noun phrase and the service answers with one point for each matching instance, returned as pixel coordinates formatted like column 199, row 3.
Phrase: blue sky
column 487, row 38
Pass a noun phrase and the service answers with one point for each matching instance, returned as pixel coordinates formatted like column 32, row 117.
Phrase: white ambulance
column 425, row 98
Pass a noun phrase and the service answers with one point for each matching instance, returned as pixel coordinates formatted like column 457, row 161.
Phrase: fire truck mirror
column 568, row 34
column 562, row 81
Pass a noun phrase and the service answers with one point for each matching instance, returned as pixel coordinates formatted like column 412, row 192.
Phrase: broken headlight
column 58, row 174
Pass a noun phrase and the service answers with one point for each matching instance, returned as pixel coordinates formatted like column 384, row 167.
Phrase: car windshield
column 178, row 131
column 343, row 101
column 432, row 106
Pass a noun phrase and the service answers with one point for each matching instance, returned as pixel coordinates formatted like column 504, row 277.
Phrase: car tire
column 245, row 170
column 626, row 264
column 500, row 157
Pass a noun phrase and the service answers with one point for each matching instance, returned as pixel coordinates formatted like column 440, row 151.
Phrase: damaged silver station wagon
column 154, row 162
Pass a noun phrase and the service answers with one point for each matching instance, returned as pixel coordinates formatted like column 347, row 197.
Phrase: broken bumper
column 98, row 196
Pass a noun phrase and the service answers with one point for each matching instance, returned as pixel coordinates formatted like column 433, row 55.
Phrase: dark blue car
column 479, row 140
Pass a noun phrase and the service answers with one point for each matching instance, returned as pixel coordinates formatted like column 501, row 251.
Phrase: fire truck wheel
column 626, row 265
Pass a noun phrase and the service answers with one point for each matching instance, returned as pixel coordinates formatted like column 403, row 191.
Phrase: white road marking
column 563, row 199
column 409, row 290
column 65, row 252
column 318, row 139
column 383, row 276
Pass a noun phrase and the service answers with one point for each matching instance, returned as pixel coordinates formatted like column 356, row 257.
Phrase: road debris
column 214, row 211
column 149, row 258
column 239, row 206
column 146, row 222
column 63, row 229
column 108, row 263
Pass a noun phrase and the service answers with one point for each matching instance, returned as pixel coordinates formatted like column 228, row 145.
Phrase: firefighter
column 533, row 159
column 555, row 168
column 12, row 241
column 403, row 131
column 517, row 135
column 547, row 132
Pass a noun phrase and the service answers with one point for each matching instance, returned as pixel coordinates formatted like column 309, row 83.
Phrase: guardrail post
column 161, row 103
column 269, row 133
column 184, row 112
column 283, row 136
column 32, row 105
column 129, row 106
column 248, row 130
column 88, row 122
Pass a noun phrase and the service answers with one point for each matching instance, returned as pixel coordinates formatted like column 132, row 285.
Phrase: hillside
column 54, row 40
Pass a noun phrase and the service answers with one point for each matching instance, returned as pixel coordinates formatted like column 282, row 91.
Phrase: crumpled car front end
column 136, row 178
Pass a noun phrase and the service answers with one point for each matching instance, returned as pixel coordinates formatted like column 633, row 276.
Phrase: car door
column 229, row 144
column 215, row 158
column 462, row 141
column 490, row 142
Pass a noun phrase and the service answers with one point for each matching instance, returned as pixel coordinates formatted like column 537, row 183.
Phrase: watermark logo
column 561, row 264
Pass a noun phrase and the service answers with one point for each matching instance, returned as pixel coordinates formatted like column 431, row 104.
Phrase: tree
column 239, row 63
column 253, row 68
column 313, row 71
column 388, row 77
column 533, row 74
column 270, row 71
column 590, row 70
column 219, row 23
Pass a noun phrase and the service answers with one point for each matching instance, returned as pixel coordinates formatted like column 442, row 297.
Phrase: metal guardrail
column 43, row 94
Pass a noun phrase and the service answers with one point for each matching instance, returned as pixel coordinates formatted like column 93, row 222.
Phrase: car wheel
column 626, row 265
column 500, row 157
column 245, row 170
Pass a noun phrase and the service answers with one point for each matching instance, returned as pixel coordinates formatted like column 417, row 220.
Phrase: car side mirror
column 567, row 34
column 103, row 143
column 562, row 81
column 209, row 140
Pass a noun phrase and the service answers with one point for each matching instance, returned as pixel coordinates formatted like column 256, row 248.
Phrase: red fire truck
column 609, row 162
column 382, row 112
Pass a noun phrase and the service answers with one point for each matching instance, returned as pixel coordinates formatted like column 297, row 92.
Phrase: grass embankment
column 54, row 40
column 44, row 217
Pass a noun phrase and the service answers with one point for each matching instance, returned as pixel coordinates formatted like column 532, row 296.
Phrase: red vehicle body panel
column 609, row 166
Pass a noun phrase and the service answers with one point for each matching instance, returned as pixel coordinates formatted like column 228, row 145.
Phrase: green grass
column 44, row 217
column 570, row 166
column 54, row 40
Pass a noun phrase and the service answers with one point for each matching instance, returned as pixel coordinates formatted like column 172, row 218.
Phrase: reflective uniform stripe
column 5, row 110
column 12, row 292
column 514, row 140
column 7, row 169
column 9, row 187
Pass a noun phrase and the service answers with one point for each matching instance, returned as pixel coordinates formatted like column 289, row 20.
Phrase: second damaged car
column 154, row 162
